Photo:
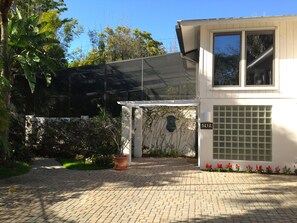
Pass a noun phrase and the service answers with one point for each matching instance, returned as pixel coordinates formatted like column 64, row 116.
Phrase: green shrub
column 16, row 169
column 68, row 138
column 103, row 160
column 162, row 153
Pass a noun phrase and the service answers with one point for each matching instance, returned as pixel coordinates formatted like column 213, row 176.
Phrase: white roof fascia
column 154, row 103
column 215, row 21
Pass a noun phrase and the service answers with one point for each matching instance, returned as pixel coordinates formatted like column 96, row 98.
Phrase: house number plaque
column 206, row 125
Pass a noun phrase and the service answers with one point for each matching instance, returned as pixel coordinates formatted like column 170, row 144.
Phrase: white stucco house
column 246, row 90
column 246, row 86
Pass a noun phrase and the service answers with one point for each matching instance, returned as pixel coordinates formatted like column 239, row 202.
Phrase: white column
column 127, row 131
column 199, row 137
column 138, row 133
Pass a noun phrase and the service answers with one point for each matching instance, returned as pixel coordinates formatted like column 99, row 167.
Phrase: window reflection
column 259, row 55
column 226, row 59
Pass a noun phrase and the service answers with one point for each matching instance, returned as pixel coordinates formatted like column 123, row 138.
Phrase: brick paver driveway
column 151, row 190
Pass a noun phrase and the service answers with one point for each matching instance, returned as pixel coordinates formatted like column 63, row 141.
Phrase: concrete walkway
column 151, row 190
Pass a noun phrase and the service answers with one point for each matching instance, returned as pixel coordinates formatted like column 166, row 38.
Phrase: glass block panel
column 228, row 156
column 221, row 156
column 248, row 157
column 222, row 151
column 234, row 157
column 248, row 145
column 242, row 133
column 241, row 151
column 234, row 151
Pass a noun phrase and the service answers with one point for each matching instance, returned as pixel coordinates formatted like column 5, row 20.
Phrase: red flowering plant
column 249, row 169
column 237, row 167
column 229, row 167
column 208, row 167
column 219, row 167
column 286, row 170
column 277, row 170
column 259, row 169
column 269, row 169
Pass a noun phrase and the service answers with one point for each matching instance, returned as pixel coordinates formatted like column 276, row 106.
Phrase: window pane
column 259, row 55
column 226, row 59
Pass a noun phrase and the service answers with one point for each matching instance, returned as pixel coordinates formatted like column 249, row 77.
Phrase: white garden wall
column 156, row 136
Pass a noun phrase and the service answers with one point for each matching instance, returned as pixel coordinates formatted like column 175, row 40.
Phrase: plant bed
column 249, row 169
column 74, row 164
column 17, row 169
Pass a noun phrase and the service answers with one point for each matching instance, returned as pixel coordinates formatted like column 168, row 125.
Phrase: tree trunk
column 5, row 72
column 4, row 55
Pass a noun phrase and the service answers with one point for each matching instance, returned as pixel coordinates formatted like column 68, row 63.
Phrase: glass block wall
column 242, row 132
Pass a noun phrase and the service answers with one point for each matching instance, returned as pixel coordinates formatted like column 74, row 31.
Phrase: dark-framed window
column 255, row 65
column 227, row 50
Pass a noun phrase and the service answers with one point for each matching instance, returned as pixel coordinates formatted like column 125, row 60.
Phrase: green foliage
column 103, row 160
column 28, row 8
column 99, row 163
column 68, row 138
column 4, row 121
column 163, row 153
column 17, row 169
column 39, row 38
column 29, row 46
column 120, row 43
column 17, row 139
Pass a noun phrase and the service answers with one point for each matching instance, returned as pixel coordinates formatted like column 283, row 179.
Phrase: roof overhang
column 189, row 41
column 167, row 103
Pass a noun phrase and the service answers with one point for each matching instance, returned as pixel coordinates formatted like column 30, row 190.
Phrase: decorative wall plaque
column 171, row 125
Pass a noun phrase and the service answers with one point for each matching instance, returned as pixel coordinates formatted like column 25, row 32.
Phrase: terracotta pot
column 120, row 162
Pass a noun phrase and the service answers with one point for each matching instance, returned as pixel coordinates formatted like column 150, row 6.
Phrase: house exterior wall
column 282, row 97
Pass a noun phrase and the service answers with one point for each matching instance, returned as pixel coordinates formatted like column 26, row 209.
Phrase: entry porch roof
column 154, row 103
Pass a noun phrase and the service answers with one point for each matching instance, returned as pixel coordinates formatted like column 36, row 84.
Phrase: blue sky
column 159, row 17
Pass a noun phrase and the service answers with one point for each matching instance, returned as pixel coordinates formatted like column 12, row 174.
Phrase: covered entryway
column 169, row 130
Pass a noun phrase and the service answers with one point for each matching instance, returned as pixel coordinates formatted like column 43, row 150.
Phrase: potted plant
column 114, row 127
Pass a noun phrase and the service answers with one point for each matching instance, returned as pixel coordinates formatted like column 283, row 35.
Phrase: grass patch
column 74, row 164
column 18, row 169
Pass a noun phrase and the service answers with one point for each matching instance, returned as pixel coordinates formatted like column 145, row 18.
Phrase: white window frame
column 242, row 63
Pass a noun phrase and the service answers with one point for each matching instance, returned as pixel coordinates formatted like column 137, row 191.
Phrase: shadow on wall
column 284, row 151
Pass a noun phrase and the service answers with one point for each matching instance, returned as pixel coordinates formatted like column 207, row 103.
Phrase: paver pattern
column 151, row 190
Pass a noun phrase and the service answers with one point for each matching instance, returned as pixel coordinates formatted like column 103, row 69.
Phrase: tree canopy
column 34, row 41
column 120, row 43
